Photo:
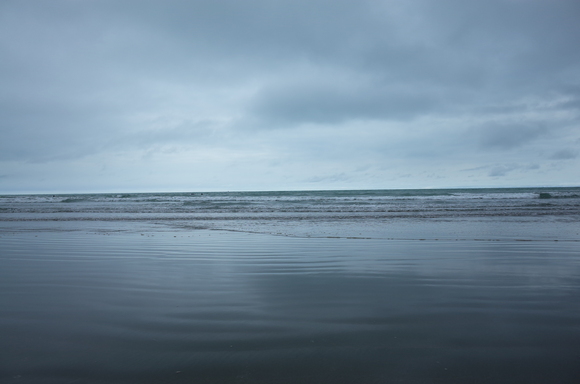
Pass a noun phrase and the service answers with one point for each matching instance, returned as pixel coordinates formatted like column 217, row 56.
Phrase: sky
column 224, row 95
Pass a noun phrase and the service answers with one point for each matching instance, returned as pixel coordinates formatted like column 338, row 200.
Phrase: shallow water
column 463, row 214
column 106, row 304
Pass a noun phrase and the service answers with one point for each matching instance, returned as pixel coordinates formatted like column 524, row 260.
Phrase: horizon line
column 280, row 190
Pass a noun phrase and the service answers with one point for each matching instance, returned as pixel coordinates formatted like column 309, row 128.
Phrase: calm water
column 301, row 287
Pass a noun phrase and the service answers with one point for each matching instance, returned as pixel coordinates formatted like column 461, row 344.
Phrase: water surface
column 221, row 307
column 415, row 286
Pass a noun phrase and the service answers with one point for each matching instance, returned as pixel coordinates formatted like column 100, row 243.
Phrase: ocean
column 377, row 286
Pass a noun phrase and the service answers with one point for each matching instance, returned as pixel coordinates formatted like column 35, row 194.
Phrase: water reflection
column 238, row 308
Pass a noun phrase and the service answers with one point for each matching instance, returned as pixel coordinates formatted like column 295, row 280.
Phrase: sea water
column 424, row 286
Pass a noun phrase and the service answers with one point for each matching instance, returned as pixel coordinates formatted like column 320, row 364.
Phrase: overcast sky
column 196, row 95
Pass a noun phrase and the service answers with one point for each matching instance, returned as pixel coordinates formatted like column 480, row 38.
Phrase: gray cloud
column 565, row 154
column 501, row 170
column 338, row 177
column 341, row 82
column 507, row 136
column 335, row 104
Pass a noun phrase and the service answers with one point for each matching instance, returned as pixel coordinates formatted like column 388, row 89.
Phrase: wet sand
column 230, row 307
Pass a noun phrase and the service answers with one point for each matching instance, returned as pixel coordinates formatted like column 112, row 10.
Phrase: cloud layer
column 212, row 95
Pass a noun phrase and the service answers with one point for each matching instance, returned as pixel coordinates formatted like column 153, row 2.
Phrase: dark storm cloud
column 468, row 54
column 453, row 46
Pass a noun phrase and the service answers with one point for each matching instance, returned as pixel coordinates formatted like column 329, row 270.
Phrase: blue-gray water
column 454, row 286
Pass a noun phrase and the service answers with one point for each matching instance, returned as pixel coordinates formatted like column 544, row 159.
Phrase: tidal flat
column 211, row 306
